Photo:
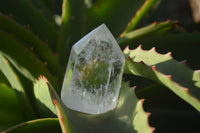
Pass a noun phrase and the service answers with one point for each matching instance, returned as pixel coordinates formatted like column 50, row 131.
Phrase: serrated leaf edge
column 153, row 67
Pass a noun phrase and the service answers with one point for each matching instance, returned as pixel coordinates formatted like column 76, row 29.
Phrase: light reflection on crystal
column 93, row 76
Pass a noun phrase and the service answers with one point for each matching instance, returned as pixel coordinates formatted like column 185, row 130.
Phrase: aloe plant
column 34, row 50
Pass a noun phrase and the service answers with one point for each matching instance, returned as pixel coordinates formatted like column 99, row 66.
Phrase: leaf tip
column 153, row 129
column 127, row 48
column 186, row 89
column 198, row 71
column 155, row 23
column 169, row 76
column 139, row 47
column 42, row 77
column 169, row 54
column 154, row 67
column 153, row 49
column 168, row 21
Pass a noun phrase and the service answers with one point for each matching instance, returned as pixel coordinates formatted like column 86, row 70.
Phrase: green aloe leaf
column 169, row 109
column 177, row 43
column 108, row 12
column 24, row 60
column 47, row 125
column 148, row 30
column 28, row 39
column 148, row 4
column 44, row 103
column 50, row 102
column 47, row 3
column 122, row 119
column 45, row 7
column 3, row 79
column 24, row 13
column 129, row 105
column 64, row 122
column 15, row 83
column 72, row 27
column 9, row 101
column 165, row 70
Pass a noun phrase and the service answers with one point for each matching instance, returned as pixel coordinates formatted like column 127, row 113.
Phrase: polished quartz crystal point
column 94, row 72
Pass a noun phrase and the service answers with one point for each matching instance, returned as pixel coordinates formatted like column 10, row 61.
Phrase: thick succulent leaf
column 11, row 112
column 14, row 81
column 24, row 60
column 48, row 125
column 122, row 119
column 24, row 13
column 47, row 3
column 169, row 109
column 175, row 10
column 165, row 70
column 64, row 121
column 46, row 7
column 3, row 79
column 72, row 27
column 108, row 12
column 148, row 4
column 50, row 103
column 148, row 30
column 177, row 43
column 43, row 99
column 28, row 39
column 130, row 108
column 128, row 116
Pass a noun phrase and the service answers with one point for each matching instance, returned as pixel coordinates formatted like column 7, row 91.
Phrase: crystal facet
column 94, row 72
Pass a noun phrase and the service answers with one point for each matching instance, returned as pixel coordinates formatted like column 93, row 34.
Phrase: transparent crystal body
column 94, row 72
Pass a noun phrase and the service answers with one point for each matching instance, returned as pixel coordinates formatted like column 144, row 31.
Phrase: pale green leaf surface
column 15, row 83
column 50, row 102
column 134, row 107
column 43, row 99
column 122, row 119
column 4, row 80
column 164, row 69
column 10, row 74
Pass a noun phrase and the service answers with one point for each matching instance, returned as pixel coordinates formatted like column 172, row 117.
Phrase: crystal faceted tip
column 94, row 72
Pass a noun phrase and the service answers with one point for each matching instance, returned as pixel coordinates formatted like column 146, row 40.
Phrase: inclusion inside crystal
column 94, row 72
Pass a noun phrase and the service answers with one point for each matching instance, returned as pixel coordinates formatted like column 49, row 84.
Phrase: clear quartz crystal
column 94, row 72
